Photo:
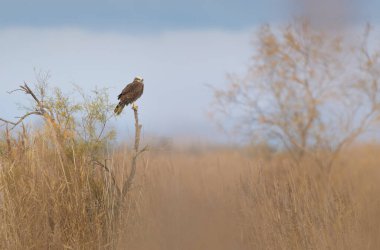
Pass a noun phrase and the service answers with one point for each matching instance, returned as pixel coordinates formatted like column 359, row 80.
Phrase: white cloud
column 175, row 65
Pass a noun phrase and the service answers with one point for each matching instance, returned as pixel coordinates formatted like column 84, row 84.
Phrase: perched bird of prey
column 130, row 94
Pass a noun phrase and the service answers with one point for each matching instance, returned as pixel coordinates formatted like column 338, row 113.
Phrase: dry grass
column 189, row 199
column 50, row 201
column 228, row 199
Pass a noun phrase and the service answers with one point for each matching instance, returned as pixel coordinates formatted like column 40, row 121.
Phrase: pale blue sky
column 177, row 46
column 147, row 15
column 153, row 15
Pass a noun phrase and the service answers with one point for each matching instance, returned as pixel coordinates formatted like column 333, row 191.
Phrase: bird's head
column 139, row 79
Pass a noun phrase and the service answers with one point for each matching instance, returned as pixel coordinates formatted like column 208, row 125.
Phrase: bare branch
column 128, row 183
column 21, row 119
column 40, row 109
column 27, row 90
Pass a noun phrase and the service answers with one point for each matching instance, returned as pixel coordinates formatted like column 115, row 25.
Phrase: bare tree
column 308, row 91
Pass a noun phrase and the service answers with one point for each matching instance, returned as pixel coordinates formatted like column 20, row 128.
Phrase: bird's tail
column 119, row 108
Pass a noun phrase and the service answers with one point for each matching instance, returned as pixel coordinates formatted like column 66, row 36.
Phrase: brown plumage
column 130, row 94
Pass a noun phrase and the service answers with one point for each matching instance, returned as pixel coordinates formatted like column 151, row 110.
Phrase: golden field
column 231, row 199
column 196, row 197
